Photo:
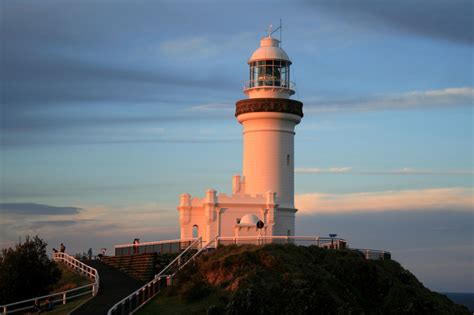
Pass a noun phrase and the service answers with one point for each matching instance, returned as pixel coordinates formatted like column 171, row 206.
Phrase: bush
column 26, row 271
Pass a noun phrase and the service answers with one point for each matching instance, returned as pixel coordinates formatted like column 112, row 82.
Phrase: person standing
column 135, row 245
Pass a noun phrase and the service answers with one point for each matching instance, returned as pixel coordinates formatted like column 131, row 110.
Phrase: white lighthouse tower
column 262, row 200
column 269, row 118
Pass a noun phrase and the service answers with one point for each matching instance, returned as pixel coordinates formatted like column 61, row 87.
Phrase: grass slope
column 287, row 279
column 70, row 279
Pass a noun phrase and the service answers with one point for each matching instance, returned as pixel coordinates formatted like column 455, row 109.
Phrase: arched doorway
column 195, row 231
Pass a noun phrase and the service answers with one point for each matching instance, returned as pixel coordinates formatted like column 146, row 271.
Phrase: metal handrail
column 156, row 242
column 178, row 258
column 167, row 246
column 78, row 266
column 252, row 84
column 150, row 289
column 196, row 254
column 373, row 253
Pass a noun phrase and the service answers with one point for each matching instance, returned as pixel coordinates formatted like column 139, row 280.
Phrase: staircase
column 141, row 266
column 138, row 298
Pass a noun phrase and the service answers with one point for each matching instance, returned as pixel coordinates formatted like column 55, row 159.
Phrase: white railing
column 137, row 299
column 64, row 296
column 168, row 246
column 211, row 244
column 326, row 242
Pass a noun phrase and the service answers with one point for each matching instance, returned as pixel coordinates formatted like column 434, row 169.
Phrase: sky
column 111, row 109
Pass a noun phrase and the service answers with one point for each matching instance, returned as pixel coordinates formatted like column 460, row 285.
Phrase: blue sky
column 111, row 109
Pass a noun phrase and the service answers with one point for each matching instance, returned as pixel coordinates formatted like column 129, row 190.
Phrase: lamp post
column 332, row 236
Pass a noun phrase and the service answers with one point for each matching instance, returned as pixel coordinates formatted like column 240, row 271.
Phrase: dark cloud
column 449, row 20
column 36, row 209
column 59, row 223
column 67, row 68
column 58, row 80
column 79, row 66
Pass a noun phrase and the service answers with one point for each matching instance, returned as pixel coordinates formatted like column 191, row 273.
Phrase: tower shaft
column 268, row 146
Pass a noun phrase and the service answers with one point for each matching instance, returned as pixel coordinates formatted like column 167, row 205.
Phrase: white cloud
column 457, row 198
column 401, row 171
column 414, row 171
column 315, row 170
column 211, row 107
column 448, row 97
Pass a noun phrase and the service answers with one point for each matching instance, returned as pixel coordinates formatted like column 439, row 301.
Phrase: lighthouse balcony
column 269, row 83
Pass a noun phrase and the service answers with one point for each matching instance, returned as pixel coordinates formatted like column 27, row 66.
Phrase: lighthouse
column 269, row 117
column 262, row 199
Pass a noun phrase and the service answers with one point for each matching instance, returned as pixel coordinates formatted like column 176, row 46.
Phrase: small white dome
column 249, row 220
column 269, row 49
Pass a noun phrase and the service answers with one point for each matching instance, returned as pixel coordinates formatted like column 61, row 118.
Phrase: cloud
column 190, row 48
column 93, row 226
column 458, row 198
column 36, row 209
column 439, row 19
column 448, row 97
column 315, row 170
column 413, row 171
column 54, row 224
column 202, row 47
column 211, row 107
column 402, row 171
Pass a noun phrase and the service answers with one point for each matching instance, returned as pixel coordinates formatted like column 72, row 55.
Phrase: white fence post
column 64, row 298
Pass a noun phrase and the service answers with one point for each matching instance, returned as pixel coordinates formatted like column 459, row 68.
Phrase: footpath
column 114, row 286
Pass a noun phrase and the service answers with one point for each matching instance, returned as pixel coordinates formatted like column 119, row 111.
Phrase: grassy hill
column 287, row 279
column 70, row 279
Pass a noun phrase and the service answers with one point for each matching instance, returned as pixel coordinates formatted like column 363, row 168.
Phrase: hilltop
column 288, row 279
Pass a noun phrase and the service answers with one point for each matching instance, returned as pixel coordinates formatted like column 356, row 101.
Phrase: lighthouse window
column 288, row 159
column 269, row 73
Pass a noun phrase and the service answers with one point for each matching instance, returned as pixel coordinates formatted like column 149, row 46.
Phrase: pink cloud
column 457, row 198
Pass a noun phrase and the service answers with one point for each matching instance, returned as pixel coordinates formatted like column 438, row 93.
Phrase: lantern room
column 269, row 71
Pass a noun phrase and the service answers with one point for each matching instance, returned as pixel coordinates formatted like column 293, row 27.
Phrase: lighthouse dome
column 249, row 220
column 269, row 49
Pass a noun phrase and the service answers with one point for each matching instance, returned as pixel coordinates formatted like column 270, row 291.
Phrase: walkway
column 114, row 285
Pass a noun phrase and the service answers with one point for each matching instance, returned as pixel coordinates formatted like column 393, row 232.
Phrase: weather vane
column 270, row 27
column 270, row 30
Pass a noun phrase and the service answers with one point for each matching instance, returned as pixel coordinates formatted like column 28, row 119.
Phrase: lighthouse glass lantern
column 269, row 68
